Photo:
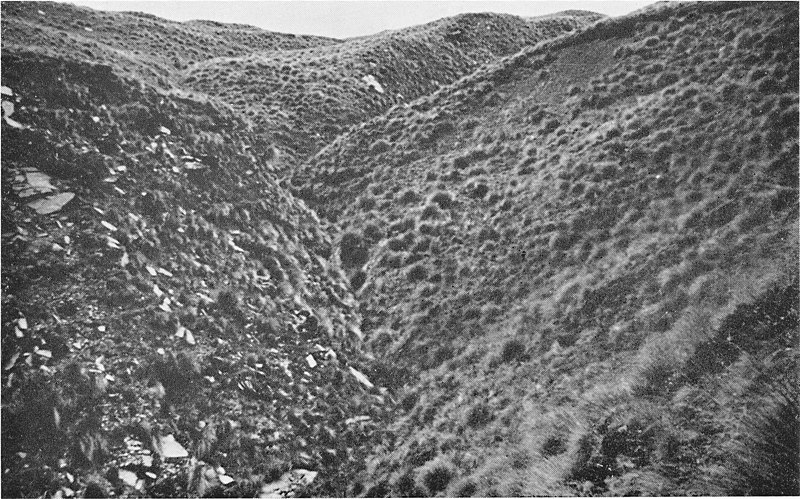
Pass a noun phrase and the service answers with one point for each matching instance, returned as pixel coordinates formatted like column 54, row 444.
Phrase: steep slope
column 136, row 44
column 171, row 322
column 580, row 263
column 310, row 95
column 301, row 90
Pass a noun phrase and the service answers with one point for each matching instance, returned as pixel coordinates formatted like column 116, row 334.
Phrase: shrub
column 352, row 250
column 358, row 280
column 417, row 272
column 443, row 198
column 562, row 240
column 366, row 202
column 430, row 211
column 461, row 162
column 428, row 228
column 408, row 196
column 228, row 302
column 513, row 349
column 657, row 379
column 405, row 485
column 478, row 190
column 437, row 476
column 479, row 415
column 553, row 446
column 765, row 461
column 400, row 243
column 380, row 146
column 394, row 261
column 631, row 435
column 465, row 488
column 423, row 245
column 402, row 226
column 550, row 125
column 373, row 232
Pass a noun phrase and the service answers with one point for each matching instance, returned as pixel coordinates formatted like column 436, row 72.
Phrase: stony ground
column 559, row 261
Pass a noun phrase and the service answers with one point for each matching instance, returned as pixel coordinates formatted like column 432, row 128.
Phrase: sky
column 342, row 19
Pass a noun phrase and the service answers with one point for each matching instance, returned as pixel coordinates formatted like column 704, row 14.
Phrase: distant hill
column 580, row 263
column 310, row 95
column 137, row 44
column 301, row 90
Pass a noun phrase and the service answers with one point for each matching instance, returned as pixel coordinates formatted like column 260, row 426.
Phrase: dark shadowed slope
column 308, row 96
column 172, row 323
column 580, row 263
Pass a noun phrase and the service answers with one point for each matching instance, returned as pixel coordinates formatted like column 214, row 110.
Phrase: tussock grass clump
column 417, row 272
column 380, row 146
column 373, row 232
column 513, row 350
column 479, row 415
column 553, row 445
column 408, row 196
column 444, row 199
column 764, row 461
column 358, row 279
column 436, row 476
column 353, row 250
column 465, row 487
column 431, row 211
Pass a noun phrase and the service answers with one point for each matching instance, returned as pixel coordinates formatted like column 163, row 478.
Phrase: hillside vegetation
column 580, row 263
column 136, row 44
column 485, row 256
column 310, row 95
column 174, row 321
column 179, row 295
column 300, row 90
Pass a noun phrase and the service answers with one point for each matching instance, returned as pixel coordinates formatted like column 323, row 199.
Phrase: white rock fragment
column 358, row 375
column 51, row 204
column 47, row 354
column 171, row 449
column 312, row 363
column 128, row 477
column 373, row 82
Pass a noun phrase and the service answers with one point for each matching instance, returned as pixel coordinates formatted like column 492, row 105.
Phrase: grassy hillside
column 180, row 295
column 579, row 263
column 310, row 95
column 548, row 256
column 147, row 47
column 173, row 323
column 301, row 90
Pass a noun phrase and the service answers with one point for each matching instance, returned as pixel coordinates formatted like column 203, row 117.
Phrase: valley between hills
column 484, row 256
